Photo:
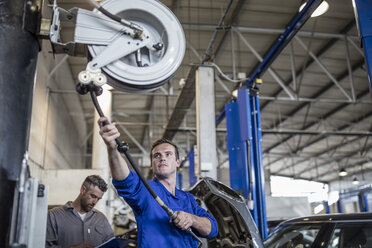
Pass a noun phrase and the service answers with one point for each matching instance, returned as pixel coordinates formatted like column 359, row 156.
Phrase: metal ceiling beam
column 313, row 100
column 220, row 29
column 335, row 38
column 317, row 94
column 352, row 166
column 325, row 70
column 311, row 132
column 317, row 155
column 357, row 120
column 324, row 49
column 187, row 94
column 271, row 31
column 273, row 73
column 294, row 26
column 279, row 44
column 230, row 19
column 338, row 159
column 299, row 149
column 184, row 101
column 255, row 30
column 267, row 131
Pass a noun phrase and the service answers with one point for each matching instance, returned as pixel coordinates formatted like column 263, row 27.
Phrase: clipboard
column 115, row 242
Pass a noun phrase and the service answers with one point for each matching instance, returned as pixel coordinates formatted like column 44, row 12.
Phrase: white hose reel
column 128, row 63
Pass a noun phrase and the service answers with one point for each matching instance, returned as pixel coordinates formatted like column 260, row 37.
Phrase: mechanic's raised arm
column 118, row 166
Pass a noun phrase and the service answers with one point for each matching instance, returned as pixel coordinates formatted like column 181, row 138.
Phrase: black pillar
column 18, row 55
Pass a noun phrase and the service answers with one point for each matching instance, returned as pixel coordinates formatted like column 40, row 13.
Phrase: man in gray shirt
column 77, row 224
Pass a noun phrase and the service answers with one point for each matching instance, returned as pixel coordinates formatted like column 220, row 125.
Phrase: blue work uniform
column 154, row 228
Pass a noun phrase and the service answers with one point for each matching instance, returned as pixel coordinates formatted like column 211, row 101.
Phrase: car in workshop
column 237, row 228
column 329, row 230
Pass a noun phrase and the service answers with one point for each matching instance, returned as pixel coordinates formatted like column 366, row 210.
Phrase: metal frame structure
column 247, row 141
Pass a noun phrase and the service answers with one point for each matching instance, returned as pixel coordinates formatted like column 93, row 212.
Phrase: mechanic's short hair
column 164, row 141
column 95, row 180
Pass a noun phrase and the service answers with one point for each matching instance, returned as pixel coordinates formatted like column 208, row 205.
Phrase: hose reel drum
column 120, row 55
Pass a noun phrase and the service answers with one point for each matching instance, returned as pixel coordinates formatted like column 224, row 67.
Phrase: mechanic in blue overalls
column 155, row 229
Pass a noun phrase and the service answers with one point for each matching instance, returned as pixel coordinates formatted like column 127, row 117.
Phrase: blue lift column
column 192, row 178
column 239, row 140
column 179, row 179
column 363, row 10
column 340, row 207
column 244, row 129
column 363, row 202
column 326, row 207
column 257, row 161
column 245, row 153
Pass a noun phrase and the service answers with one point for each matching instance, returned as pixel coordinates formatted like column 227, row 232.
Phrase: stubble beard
column 164, row 172
column 85, row 206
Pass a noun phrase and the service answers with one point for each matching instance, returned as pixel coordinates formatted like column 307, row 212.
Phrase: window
column 352, row 236
column 295, row 236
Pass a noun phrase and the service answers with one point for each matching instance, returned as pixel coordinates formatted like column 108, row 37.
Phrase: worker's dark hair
column 95, row 180
column 164, row 141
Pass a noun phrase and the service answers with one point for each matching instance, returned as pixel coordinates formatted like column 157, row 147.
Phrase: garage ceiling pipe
column 18, row 56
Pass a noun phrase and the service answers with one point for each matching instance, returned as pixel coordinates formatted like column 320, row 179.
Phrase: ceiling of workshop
column 324, row 123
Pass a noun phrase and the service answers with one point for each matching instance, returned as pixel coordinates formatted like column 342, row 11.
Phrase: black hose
column 123, row 148
column 109, row 15
column 138, row 30
column 104, row 11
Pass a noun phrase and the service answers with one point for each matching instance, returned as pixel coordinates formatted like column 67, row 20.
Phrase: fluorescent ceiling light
column 323, row 7
column 342, row 172
column 235, row 93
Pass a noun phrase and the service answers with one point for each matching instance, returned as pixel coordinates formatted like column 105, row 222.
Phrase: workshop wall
column 58, row 128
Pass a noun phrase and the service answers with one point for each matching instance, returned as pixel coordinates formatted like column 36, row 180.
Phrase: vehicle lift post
column 363, row 10
column 363, row 201
column 249, row 173
column 245, row 153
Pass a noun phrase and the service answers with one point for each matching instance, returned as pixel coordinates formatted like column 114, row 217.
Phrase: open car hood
column 236, row 227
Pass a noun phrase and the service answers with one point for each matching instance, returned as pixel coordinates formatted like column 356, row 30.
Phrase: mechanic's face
column 89, row 197
column 164, row 163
